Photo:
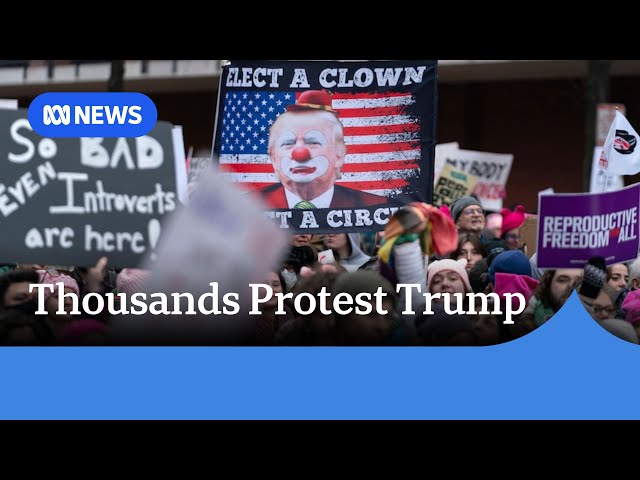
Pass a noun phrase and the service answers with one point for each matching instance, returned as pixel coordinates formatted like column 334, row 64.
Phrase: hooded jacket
column 358, row 258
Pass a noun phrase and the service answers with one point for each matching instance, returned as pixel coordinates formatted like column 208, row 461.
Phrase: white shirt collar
column 322, row 201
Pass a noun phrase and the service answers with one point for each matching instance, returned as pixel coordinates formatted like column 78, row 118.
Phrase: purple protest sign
column 575, row 227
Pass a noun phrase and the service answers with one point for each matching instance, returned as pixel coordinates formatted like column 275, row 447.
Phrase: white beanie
column 457, row 266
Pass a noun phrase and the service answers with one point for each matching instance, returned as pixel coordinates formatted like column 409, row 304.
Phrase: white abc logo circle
column 56, row 114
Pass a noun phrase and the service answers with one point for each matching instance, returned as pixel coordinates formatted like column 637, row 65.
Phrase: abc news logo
column 91, row 115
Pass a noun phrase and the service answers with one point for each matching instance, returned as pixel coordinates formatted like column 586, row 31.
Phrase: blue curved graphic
column 570, row 368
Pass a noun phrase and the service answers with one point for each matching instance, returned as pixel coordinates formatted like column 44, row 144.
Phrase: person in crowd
column 347, row 252
column 617, row 276
column 370, row 243
column 471, row 248
column 411, row 235
column 593, row 279
column 14, row 290
column 131, row 329
column 493, row 248
column 479, row 276
column 468, row 216
column 301, row 240
column 603, row 305
column 317, row 243
column 510, row 272
column 493, row 226
column 631, row 307
column 17, row 303
column 621, row 329
column 311, row 328
column 97, row 279
column 442, row 329
column 375, row 328
column 550, row 295
column 488, row 328
column 298, row 257
column 535, row 271
column 59, row 316
column 20, row 328
column 449, row 276
column 511, row 223
column 132, row 280
column 634, row 275
column 514, row 283
column 632, row 284
column 509, row 261
column 599, row 298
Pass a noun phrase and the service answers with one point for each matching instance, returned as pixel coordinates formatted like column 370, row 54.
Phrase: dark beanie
column 511, row 261
column 494, row 248
column 594, row 277
column 460, row 204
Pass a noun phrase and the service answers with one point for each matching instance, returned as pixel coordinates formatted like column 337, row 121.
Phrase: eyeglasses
column 473, row 211
column 599, row 309
column 512, row 236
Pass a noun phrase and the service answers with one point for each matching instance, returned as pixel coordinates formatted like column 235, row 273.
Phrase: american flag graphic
column 383, row 147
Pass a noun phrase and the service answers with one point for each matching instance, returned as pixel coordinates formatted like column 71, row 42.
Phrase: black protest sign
column 329, row 146
column 72, row 200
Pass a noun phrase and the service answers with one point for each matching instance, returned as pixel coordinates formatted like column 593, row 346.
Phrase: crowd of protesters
column 481, row 254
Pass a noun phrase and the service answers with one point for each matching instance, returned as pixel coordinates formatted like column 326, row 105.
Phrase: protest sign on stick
column 492, row 170
column 574, row 227
column 451, row 185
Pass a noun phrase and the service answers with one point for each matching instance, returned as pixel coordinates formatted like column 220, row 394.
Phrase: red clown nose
column 300, row 154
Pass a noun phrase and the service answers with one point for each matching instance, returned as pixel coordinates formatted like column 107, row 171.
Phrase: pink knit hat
column 457, row 266
column 631, row 305
column 46, row 277
column 131, row 280
column 512, row 283
column 511, row 220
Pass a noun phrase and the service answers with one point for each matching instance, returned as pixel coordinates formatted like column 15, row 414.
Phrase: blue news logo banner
column 92, row 114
